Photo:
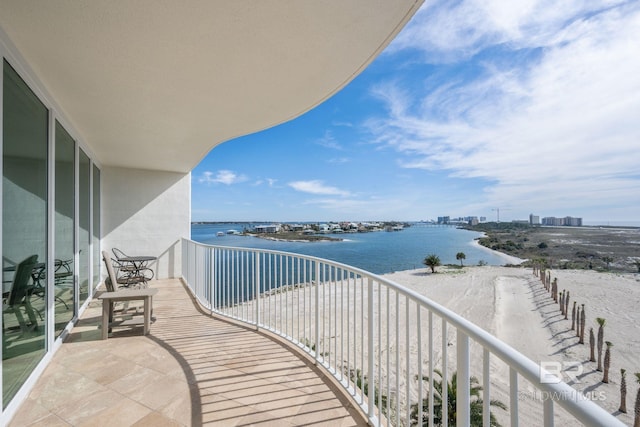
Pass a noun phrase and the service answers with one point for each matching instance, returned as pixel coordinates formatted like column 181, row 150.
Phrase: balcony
column 191, row 369
column 321, row 343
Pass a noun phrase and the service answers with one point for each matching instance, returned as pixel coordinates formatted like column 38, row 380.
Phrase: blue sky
column 527, row 106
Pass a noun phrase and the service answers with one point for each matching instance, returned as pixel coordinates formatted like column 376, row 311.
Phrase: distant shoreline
column 584, row 248
column 508, row 259
column 299, row 238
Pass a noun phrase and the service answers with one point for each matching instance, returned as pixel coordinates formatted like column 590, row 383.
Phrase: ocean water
column 378, row 252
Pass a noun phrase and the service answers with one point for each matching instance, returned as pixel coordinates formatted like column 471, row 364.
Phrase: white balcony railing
column 381, row 341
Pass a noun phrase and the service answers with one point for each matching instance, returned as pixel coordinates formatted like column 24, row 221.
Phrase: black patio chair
column 130, row 272
column 20, row 294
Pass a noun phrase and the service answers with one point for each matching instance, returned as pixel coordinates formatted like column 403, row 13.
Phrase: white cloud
column 382, row 208
column 329, row 141
column 562, row 130
column 342, row 124
column 270, row 182
column 222, row 177
column 446, row 31
column 339, row 160
column 317, row 187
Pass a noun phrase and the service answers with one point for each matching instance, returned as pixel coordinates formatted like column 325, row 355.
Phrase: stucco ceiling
column 157, row 84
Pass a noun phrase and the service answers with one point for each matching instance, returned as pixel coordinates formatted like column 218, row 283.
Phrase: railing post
column 462, row 392
column 548, row 412
column 420, row 365
column 256, row 286
column 513, row 396
column 214, row 279
column 317, row 311
column 486, row 388
column 445, row 374
column 408, row 352
column 431, row 368
column 209, row 282
column 370, row 326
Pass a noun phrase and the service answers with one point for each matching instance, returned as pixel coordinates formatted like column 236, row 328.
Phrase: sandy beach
column 508, row 259
column 511, row 303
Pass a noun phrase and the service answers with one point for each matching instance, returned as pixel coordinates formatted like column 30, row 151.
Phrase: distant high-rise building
column 534, row 219
column 553, row 221
column 444, row 219
column 567, row 221
column 574, row 222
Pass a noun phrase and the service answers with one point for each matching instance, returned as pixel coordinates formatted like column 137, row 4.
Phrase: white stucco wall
column 146, row 213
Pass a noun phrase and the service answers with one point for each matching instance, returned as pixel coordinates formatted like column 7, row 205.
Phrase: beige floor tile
column 125, row 413
column 262, row 418
column 31, row 412
column 50, row 421
column 185, row 409
column 140, row 377
column 112, row 369
column 191, row 370
column 65, row 387
column 159, row 392
column 155, row 419
column 225, row 412
column 82, row 410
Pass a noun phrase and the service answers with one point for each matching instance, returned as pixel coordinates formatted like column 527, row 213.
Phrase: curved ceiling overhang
column 157, row 84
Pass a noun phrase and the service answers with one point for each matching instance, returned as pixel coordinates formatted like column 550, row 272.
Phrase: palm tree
column 362, row 382
column 432, row 261
column 460, row 256
column 583, row 322
column 623, row 391
column 578, row 318
column 592, row 344
column 636, row 409
column 475, row 405
column 601, row 321
column 607, row 362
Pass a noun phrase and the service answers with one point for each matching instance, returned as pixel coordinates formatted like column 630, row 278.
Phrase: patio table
column 138, row 264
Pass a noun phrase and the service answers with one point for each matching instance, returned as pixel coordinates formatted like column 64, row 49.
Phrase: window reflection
column 84, row 237
column 24, row 231
column 96, row 226
column 64, row 223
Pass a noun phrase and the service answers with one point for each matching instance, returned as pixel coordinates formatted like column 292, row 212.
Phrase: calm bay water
column 378, row 252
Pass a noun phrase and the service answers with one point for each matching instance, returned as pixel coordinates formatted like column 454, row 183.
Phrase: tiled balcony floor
column 190, row 370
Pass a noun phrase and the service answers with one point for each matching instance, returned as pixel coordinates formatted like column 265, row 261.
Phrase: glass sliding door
column 96, row 226
column 24, row 231
column 64, row 267
column 84, row 235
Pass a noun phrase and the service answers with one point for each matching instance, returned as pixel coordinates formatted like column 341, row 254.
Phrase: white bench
column 109, row 298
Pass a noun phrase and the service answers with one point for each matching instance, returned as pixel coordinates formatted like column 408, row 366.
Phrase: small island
column 318, row 232
column 291, row 236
